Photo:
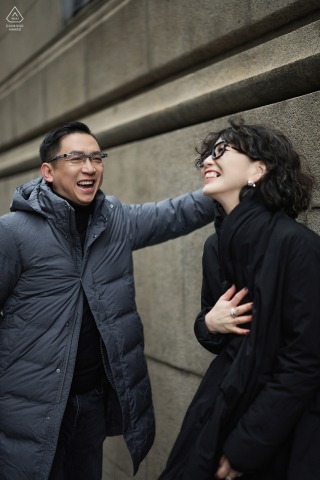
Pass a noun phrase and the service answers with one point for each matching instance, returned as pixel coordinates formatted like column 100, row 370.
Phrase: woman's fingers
column 239, row 296
column 242, row 319
column 227, row 316
column 238, row 329
column 229, row 293
column 225, row 470
column 241, row 331
column 233, row 296
column 235, row 326
column 241, row 309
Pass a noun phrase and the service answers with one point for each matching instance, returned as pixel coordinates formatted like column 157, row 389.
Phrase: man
column 72, row 367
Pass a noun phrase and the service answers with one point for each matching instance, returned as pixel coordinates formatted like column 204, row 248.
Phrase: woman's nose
column 208, row 160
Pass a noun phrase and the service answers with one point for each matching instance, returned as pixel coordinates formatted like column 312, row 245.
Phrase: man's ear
column 46, row 171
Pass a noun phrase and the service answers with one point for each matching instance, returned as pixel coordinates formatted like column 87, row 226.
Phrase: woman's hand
column 225, row 470
column 226, row 316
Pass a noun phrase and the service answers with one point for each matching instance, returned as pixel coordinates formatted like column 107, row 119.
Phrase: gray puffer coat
column 44, row 276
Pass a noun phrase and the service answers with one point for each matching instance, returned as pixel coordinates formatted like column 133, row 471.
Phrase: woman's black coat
column 259, row 401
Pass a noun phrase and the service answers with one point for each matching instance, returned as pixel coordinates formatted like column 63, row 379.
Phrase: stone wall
column 151, row 78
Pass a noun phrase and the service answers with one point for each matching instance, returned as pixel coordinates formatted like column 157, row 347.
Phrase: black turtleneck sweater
column 88, row 366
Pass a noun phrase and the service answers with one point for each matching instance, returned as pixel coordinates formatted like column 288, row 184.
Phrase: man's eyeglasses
column 217, row 152
column 78, row 159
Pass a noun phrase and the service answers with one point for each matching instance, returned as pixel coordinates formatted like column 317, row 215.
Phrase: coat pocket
column 11, row 328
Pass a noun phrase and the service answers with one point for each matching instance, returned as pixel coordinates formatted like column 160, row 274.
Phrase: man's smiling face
column 76, row 183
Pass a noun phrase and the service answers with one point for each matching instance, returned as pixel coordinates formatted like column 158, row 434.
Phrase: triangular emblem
column 14, row 16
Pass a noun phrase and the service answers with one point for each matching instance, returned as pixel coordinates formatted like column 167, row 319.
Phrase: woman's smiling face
column 226, row 172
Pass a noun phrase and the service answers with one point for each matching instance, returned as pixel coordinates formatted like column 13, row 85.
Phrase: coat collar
column 37, row 197
column 243, row 238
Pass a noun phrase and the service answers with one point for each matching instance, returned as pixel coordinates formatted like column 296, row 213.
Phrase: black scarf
column 249, row 259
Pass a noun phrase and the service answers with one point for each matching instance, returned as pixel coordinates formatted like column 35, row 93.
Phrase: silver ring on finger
column 233, row 314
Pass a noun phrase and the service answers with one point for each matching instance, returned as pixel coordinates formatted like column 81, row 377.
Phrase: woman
column 256, row 413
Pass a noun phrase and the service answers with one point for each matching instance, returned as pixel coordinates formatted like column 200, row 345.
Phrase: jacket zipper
column 107, row 372
column 70, row 336
column 65, row 366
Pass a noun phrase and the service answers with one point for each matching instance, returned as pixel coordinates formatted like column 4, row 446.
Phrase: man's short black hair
column 51, row 142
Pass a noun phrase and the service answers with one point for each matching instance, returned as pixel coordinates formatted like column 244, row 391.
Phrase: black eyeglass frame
column 199, row 163
column 86, row 155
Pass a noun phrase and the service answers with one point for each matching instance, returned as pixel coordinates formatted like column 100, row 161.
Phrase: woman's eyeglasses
column 217, row 152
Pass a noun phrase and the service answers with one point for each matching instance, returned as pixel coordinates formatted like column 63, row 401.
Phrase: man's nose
column 88, row 165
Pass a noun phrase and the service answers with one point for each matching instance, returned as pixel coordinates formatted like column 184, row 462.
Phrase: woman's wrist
column 210, row 328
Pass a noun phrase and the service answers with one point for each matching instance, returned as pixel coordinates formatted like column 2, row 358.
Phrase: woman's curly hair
column 284, row 185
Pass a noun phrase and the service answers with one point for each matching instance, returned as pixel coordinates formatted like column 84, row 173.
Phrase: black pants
column 79, row 450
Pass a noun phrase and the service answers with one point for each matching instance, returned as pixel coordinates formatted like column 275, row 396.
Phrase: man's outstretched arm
column 156, row 222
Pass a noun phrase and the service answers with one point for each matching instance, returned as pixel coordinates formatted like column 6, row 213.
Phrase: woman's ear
column 46, row 171
column 258, row 170
column 262, row 168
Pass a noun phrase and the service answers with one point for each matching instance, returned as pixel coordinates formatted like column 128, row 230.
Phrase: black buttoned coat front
column 259, row 401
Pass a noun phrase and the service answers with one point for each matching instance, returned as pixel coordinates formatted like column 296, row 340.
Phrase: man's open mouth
column 86, row 184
